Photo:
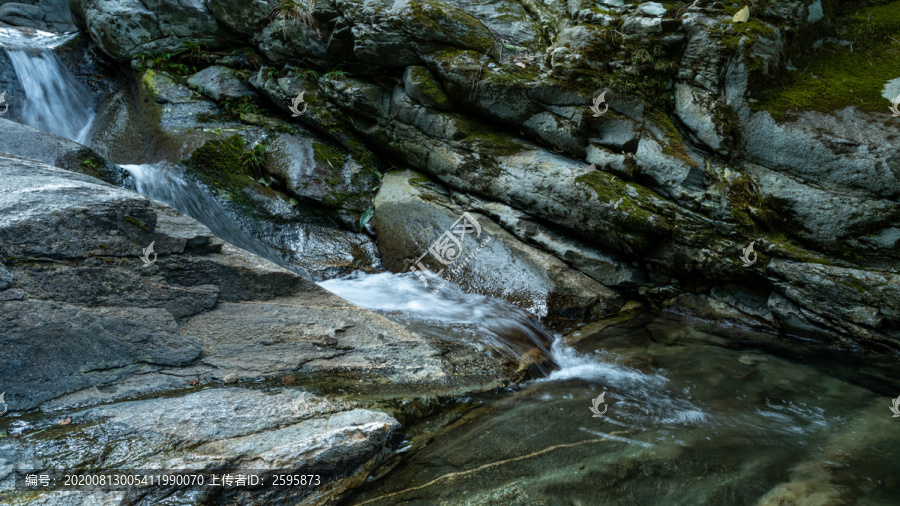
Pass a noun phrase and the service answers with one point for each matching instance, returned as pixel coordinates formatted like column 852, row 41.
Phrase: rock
column 218, row 83
column 28, row 142
column 231, row 378
column 596, row 264
column 411, row 214
column 321, row 172
column 837, row 301
column 126, row 28
column 203, row 310
column 422, row 87
column 246, row 18
column 226, row 429
column 18, row 14
column 697, row 110
column 58, row 16
column 652, row 9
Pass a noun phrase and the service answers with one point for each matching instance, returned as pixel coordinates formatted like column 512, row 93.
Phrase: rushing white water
column 162, row 182
column 54, row 100
column 28, row 38
column 490, row 321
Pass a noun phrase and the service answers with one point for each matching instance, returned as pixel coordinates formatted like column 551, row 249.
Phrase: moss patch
column 833, row 77
column 220, row 165
column 632, row 217
column 673, row 145
column 449, row 25
column 331, row 155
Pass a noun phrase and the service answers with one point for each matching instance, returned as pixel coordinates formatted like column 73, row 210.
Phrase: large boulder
column 28, row 142
column 126, row 28
column 227, row 429
column 419, row 229
column 203, row 309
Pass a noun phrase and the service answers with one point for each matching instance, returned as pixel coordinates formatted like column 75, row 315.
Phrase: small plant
column 232, row 108
column 295, row 12
column 254, row 160
column 365, row 218
column 194, row 49
column 164, row 62
column 335, row 75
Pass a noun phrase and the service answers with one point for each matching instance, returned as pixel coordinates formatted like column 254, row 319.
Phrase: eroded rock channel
column 405, row 244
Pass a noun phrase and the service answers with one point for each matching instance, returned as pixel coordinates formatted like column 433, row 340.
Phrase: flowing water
column 686, row 413
column 162, row 182
column 54, row 100
column 691, row 414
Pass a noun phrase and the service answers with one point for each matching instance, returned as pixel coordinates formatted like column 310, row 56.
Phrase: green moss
column 136, row 222
column 430, row 88
column 220, row 164
column 333, row 156
column 788, row 248
column 491, row 142
column 674, row 144
column 451, row 25
column 634, row 217
column 833, row 77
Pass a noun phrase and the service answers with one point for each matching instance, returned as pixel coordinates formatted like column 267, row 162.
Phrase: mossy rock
column 835, row 76
column 220, row 165
column 422, row 86
column 441, row 23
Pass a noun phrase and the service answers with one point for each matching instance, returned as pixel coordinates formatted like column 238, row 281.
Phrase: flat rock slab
column 222, row 429
column 74, row 291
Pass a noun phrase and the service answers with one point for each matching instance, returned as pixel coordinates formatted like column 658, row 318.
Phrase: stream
column 692, row 414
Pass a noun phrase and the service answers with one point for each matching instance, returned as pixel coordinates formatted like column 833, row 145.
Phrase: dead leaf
column 742, row 15
column 194, row 383
column 289, row 379
column 520, row 64
column 64, row 421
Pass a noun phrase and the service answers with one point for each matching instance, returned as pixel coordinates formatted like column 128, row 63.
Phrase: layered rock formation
column 697, row 156
column 85, row 321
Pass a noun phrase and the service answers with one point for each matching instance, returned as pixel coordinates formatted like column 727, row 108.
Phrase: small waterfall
column 475, row 317
column 162, row 182
column 54, row 100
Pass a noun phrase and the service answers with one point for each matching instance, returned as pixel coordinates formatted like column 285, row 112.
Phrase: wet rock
column 26, row 15
column 247, row 17
column 126, row 28
column 411, row 213
column 227, row 429
column 28, row 142
column 321, row 172
column 218, row 83
column 202, row 310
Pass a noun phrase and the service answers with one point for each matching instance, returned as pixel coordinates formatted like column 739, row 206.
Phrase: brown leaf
column 194, row 383
column 64, row 421
column 520, row 64
column 289, row 379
